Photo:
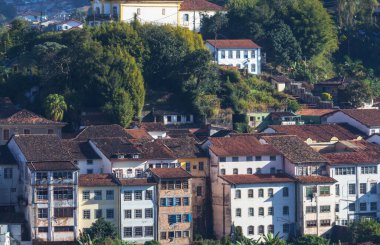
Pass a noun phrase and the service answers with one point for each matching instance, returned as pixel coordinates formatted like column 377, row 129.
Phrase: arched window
column 238, row 212
column 261, row 211
column 235, row 171
column 186, row 17
column 163, row 11
column 270, row 192
column 251, row 230
column 261, row 230
column 271, row 229
column 138, row 11
column 249, row 170
column 261, row 192
column 238, row 194
column 250, row 193
column 251, row 212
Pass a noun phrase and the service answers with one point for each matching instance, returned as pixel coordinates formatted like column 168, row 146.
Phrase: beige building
column 98, row 197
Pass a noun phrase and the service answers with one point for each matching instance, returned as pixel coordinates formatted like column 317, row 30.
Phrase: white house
column 172, row 117
column 138, row 204
column 69, row 24
column 240, row 53
column 365, row 120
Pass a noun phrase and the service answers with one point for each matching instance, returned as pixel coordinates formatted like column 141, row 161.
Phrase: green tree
column 120, row 108
column 354, row 95
column 55, row 107
column 311, row 240
column 99, row 232
column 293, row 105
column 365, row 231
column 326, row 96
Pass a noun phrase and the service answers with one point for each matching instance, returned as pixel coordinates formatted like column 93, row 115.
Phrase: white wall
column 340, row 117
column 96, row 166
column 265, row 164
column 151, row 12
column 198, row 17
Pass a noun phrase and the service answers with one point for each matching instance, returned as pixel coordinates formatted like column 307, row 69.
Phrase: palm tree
column 269, row 239
column 55, row 107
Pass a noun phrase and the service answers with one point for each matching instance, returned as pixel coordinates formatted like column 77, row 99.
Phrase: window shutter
column 189, row 217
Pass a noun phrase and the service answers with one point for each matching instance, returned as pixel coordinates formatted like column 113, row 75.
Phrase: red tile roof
column 257, row 178
column 315, row 112
column 317, row 132
column 282, row 79
column 368, row 117
column 200, row 5
column 247, row 145
column 27, row 117
column 102, row 131
column 97, row 180
column 139, row 133
column 170, row 173
column 315, row 179
column 136, row 182
column 233, row 43
column 52, row 166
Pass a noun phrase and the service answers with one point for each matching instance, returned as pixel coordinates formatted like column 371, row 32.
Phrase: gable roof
column 42, row 147
column 170, row 173
column 368, row 117
column 111, row 147
column 102, row 131
column 153, row 126
column 25, row 117
column 315, row 112
column 257, row 178
column 184, row 147
column 98, row 180
column 310, row 179
column 153, row 149
column 139, row 133
column 233, row 43
column 247, row 145
column 294, row 149
column 317, row 132
column 199, row 5
column 80, row 150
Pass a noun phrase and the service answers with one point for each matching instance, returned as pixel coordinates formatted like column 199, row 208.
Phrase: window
column 311, row 223
column 250, row 211
column 186, row 217
column 270, row 211
column 363, row 206
column 345, row 171
column 337, row 190
column 185, row 201
column 250, row 193
column 237, row 54
column 138, row 231
column 98, row 213
column 324, row 209
column 325, row 222
column 164, row 185
column 41, row 176
column 138, row 213
column 258, row 158
column 170, row 202
column 324, row 190
column 261, row 211
column 85, row 195
column 272, row 170
column 222, row 159
column 285, row 192
column 188, row 167
column 148, row 230
column 86, row 214
column 128, row 214
column 337, row 207
column 238, row 212
column 230, row 54
column 271, row 229
column 261, row 229
column 97, row 195
column 8, row 173
column 285, row 228
column 223, row 54
column 253, row 67
column 185, row 184
column 63, row 193
column 43, row 229
column 200, row 166
column 148, row 213
column 148, row 195
column 249, row 158
column 238, row 194
column 109, row 213
column 223, row 171
column 186, row 233
column 62, row 175
column 258, row 170
column 351, row 189
column 250, row 230
column 311, row 209
column 253, row 54
column 272, row 158
column 42, row 193
column 199, row 191
column 171, row 234
column 90, row 162
column 138, row 11
column 127, row 195
column 63, row 228
column 6, row 134
column 163, row 235
column 235, row 171
column 127, row 232
column 373, row 188
column 245, row 54
column 363, row 188
column 369, row 170
column 261, row 192
column 270, row 192
column 63, row 212
column 186, row 18
column 373, row 206
column 90, row 171
column 310, row 191
column 249, row 170
column 285, row 210
column 163, row 11
column 177, row 201
column 302, row 171
column 170, row 185
column 42, row 213
column 138, row 195
column 351, row 207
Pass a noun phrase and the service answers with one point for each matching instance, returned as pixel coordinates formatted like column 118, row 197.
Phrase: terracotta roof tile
column 102, row 131
column 152, row 126
column 247, row 145
column 184, row 147
column 80, row 150
column 139, row 133
column 315, row 112
column 294, row 149
column 257, row 178
column 111, row 147
column 137, row 182
column 200, row 5
column 98, row 180
column 368, row 117
column 315, row 179
column 52, row 166
column 170, row 173
column 317, row 132
column 233, row 43
column 153, row 149
column 25, row 117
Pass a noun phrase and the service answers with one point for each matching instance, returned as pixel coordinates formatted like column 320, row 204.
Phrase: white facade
column 138, row 213
column 91, row 166
column 242, row 58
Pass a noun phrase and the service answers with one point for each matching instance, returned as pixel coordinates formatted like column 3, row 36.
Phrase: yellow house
column 195, row 161
column 98, row 196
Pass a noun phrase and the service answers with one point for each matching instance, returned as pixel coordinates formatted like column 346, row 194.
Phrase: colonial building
column 174, row 210
column 48, row 187
column 241, row 53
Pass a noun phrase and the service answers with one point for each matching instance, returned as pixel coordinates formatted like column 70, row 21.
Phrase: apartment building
column 174, row 209
column 138, row 207
column 98, row 197
column 48, row 186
